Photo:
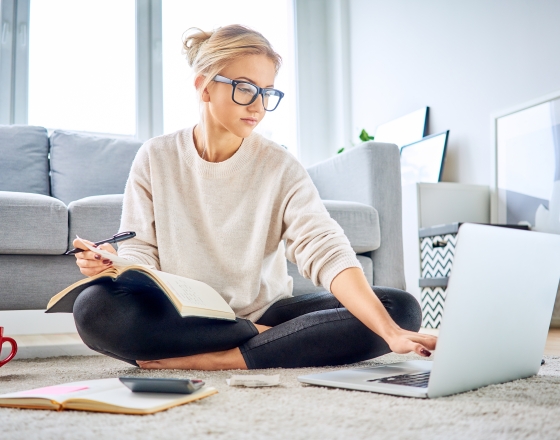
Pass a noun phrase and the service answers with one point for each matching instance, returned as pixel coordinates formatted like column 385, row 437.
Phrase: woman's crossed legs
column 307, row 330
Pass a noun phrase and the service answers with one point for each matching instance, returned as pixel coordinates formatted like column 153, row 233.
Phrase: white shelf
column 430, row 204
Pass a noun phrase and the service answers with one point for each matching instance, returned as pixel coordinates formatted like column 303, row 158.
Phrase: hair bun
column 193, row 41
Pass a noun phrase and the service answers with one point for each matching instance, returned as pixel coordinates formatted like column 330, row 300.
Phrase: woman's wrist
column 390, row 332
column 352, row 289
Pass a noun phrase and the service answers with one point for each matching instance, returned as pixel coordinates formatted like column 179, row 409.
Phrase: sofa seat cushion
column 360, row 223
column 85, row 165
column 98, row 217
column 32, row 224
column 24, row 163
column 30, row 281
column 94, row 218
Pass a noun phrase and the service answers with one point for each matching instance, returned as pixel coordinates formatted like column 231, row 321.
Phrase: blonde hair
column 209, row 52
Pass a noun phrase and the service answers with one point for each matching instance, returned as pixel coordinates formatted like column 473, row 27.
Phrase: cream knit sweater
column 231, row 224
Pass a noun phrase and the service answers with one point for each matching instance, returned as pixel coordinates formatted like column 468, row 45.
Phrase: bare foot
column 262, row 328
column 220, row 360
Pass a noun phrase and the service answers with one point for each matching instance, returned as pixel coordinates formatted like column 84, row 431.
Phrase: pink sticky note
column 54, row 390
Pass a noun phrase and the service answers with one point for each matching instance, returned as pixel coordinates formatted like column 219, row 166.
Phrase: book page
column 54, row 390
column 59, row 393
column 193, row 293
column 123, row 397
column 105, row 395
column 117, row 261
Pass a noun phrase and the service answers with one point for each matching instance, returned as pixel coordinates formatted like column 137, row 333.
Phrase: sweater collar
column 217, row 170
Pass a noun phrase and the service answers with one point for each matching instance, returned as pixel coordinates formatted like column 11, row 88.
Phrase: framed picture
column 404, row 130
column 526, row 165
column 423, row 160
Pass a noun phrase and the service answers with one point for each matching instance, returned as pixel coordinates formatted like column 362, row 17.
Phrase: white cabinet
column 431, row 204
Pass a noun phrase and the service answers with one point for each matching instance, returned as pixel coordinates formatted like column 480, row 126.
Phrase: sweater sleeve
column 138, row 214
column 314, row 240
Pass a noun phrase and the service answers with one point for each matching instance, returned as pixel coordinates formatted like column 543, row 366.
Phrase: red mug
column 11, row 341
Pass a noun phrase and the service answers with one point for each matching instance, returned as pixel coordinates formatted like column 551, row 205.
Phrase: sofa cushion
column 94, row 218
column 24, row 166
column 85, row 165
column 30, row 281
column 98, row 217
column 32, row 224
column 360, row 223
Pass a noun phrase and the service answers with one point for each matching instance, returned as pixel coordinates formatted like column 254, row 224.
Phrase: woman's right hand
column 89, row 262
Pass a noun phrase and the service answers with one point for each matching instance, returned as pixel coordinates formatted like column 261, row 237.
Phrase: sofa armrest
column 371, row 174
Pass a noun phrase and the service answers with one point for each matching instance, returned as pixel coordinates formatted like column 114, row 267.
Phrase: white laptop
column 498, row 306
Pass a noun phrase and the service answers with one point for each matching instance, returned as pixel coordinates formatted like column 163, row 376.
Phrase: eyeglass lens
column 244, row 93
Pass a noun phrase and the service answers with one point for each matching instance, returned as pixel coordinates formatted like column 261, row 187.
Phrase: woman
column 216, row 202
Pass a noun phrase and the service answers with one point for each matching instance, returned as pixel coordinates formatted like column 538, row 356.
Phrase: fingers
column 91, row 272
column 91, row 264
column 429, row 341
column 87, row 255
column 81, row 262
column 90, row 255
column 79, row 243
column 407, row 342
column 421, row 350
column 108, row 247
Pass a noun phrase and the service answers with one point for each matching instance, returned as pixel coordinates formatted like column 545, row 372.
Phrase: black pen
column 121, row 236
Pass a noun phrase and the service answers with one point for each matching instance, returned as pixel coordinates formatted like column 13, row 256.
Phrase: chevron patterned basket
column 437, row 250
column 432, row 300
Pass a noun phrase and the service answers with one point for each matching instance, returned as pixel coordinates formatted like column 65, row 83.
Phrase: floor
column 523, row 409
column 30, row 346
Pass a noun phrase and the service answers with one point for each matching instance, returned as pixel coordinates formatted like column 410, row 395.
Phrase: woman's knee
column 103, row 313
column 87, row 304
column 103, row 320
column 402, row 306
column 92, row 310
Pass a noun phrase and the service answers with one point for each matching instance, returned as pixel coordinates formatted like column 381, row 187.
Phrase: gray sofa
column 54, row 187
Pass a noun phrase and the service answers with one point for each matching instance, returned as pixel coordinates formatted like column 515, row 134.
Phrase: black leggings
column 308, row 331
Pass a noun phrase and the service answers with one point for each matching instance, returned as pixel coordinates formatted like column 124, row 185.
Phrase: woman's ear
column 199, row 80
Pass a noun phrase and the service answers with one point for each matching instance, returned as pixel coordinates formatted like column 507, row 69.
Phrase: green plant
column 364, row 137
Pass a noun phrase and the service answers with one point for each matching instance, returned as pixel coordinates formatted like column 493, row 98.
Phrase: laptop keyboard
column 419, row 380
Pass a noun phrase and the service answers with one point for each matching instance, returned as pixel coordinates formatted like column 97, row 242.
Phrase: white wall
column 323, row 70
column 463, row 59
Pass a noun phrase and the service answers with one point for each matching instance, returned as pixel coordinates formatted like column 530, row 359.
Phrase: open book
column 190, row 297
column 100, row 395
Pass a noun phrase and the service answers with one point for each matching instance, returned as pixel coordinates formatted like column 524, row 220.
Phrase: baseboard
column 49, row 351
column 36, row 322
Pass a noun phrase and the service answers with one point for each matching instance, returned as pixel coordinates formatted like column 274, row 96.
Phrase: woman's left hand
column 404, row 341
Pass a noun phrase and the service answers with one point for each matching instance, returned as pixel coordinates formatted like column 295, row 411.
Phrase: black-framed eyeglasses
column 245, row 93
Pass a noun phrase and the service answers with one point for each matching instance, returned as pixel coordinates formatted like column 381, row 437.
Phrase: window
column 82, row 65
column 115, row 67
column 273, row 18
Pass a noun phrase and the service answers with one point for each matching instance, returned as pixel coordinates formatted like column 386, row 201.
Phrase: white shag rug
column 523, row 409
